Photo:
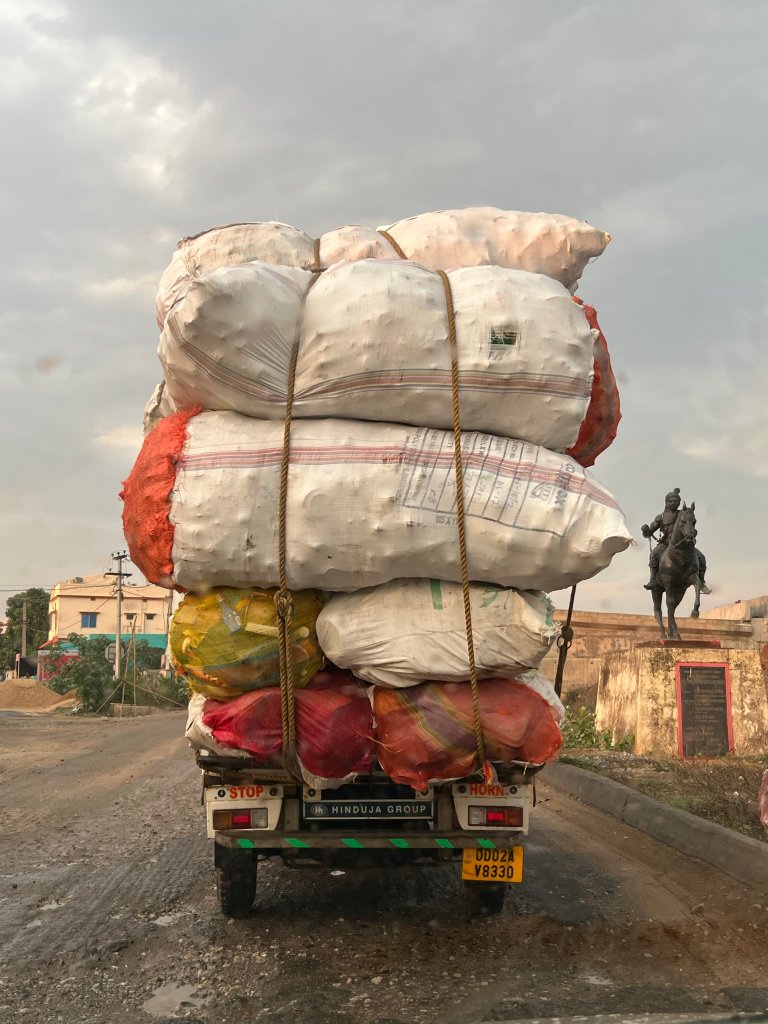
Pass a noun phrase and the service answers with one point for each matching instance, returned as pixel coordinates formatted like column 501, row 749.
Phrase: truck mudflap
column 258, row 839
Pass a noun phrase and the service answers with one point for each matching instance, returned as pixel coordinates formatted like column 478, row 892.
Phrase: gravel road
column 108, row 910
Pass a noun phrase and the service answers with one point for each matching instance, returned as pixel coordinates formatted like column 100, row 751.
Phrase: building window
column 88, row 620
column 149, row 616
column 130, row 616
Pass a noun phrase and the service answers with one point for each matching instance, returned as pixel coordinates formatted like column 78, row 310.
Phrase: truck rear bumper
column 258, row 839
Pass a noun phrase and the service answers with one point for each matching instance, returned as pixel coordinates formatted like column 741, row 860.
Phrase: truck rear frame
column 253, row 814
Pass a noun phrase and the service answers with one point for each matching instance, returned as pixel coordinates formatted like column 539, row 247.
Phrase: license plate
column 492, row 865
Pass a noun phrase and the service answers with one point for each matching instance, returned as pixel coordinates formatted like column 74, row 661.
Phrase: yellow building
column 88, row 605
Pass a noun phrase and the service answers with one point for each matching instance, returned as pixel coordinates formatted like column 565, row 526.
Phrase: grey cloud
column 132, row 125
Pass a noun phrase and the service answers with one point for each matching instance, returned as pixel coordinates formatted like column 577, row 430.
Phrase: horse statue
column 678, row 570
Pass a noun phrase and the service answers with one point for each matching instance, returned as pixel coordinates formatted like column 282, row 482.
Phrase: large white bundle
column 544, row 243
column 408, row 631
column 367, row 503
column 374, row 345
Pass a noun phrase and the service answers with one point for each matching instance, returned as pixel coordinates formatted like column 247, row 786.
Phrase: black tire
column 236, row 882
column 485, row 898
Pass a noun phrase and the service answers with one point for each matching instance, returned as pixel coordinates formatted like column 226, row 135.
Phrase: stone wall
column 637, row 695
column 598, row 634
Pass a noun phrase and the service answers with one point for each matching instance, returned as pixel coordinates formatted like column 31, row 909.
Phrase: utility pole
column 23, row 629
column 119, row 557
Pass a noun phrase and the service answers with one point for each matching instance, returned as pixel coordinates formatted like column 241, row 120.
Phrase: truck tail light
column 502, row 817
column 256, row 817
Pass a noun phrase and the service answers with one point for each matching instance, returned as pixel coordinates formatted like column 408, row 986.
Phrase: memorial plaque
column 704, row 710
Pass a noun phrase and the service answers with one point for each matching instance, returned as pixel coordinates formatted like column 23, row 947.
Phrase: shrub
column 580, row 730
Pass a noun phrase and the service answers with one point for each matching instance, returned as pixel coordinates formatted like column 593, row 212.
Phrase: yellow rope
column 283, row 597
column 393, row 243
column 476, row 721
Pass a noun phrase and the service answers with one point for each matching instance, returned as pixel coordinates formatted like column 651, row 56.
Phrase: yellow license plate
column 492, row 865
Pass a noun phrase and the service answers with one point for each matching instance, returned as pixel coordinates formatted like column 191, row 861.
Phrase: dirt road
column 108, row 912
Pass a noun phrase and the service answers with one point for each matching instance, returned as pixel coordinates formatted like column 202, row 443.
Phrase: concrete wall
column 754, row 611
column 598, row 634
column 637, row 695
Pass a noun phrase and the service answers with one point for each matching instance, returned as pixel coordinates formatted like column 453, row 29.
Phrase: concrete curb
column 741, row 857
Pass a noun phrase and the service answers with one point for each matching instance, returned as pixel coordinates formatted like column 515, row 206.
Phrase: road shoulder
column 740, row 857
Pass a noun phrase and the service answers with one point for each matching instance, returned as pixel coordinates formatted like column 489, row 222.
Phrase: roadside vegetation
column 723, row 790
column 91, row 676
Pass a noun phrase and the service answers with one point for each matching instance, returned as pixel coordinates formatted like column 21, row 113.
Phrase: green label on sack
column 503, row 336
column 437, row 595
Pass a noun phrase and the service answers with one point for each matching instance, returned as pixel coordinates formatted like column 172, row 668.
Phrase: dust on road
column 108, row 910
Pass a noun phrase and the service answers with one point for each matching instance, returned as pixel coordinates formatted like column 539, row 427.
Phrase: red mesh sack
column 425, row 732
column 147, row 496
column 599, row 427
column 334, row 727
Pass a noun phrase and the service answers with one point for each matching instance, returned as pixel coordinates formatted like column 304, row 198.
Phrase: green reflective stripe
column 437, row 595
column 353, row 843
column 246, row 844
column 297, row 844
column 445, row 843
column 487, row 844
column 401, row 844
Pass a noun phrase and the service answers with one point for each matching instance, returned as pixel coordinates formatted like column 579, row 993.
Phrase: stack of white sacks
column 371, row 509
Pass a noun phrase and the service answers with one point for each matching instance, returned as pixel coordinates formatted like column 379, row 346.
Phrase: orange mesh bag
column 599, row 426
column 147, row 498
column 425, row 732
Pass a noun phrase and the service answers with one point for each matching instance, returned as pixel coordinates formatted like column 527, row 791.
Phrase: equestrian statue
column 675, row 563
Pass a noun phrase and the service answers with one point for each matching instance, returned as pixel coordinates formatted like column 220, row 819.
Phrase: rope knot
column 284, row 604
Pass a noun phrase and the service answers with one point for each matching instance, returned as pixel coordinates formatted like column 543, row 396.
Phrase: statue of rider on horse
column 675, row 563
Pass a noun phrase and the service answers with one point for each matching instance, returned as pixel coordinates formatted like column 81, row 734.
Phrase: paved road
column 108, row 913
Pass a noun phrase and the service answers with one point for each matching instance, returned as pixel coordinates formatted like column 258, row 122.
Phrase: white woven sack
column 544, row 243
column 227, row 342
column 371, row 502
column 200, row 736
column 374, row 345
column 408, row 631
column 158, row 407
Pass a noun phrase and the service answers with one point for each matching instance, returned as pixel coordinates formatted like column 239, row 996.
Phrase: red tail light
column 503, row 817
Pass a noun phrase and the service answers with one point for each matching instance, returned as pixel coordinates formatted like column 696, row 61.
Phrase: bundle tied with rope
column 283, row 598
column 566, row 635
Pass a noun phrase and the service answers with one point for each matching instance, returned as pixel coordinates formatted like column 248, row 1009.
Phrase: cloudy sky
column 128, row 126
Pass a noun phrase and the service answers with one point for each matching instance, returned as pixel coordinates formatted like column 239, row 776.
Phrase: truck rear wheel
column 485, row 898
column 235, row 881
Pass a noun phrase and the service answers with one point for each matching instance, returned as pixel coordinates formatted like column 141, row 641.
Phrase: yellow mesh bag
column 226, row 641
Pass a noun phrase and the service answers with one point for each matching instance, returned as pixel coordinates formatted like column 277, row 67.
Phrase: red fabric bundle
column 599, row 427
column 334, row 726
column 425, row 732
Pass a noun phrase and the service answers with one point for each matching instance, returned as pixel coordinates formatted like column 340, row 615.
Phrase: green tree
column 37, row 624
column 90, row 674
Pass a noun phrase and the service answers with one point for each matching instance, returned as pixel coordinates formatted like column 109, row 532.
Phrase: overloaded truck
column 254, row 814
column 365, row 466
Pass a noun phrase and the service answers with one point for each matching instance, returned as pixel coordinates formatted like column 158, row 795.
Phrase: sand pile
column 30, row 695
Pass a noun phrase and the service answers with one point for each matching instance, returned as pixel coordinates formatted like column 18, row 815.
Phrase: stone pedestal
column 685, row 700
